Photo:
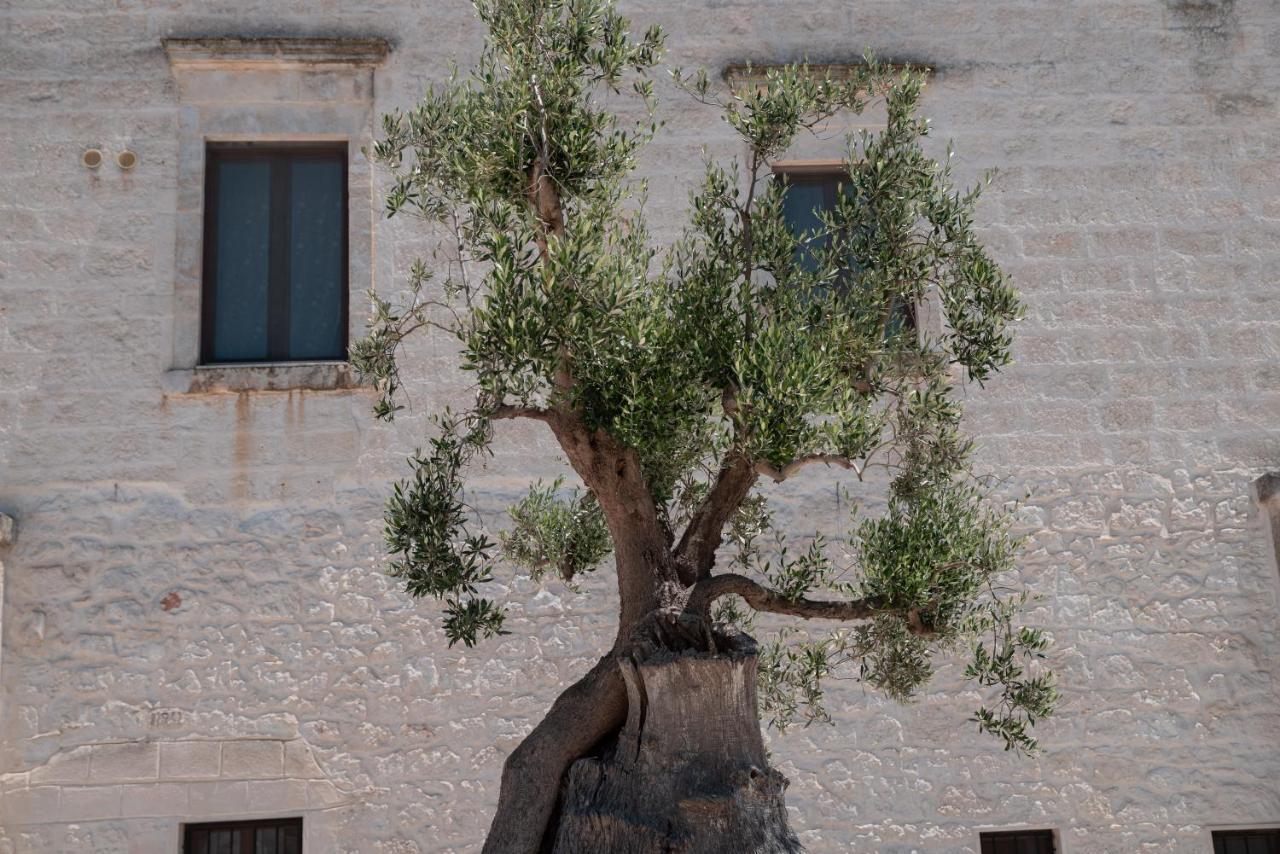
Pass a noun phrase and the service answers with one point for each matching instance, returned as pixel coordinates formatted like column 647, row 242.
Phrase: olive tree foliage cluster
column 740, row 347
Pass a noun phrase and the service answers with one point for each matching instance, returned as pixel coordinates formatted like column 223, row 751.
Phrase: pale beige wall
column 201, row 567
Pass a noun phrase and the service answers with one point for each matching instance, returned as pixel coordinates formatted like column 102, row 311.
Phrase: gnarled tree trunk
column 658, row 749
column 687, row 773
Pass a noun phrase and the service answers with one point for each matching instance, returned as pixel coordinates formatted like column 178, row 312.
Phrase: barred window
column 1246, row 841
column 1018, row 842
column 273, row 836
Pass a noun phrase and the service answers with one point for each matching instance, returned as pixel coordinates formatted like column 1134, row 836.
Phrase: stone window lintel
column 276, row 51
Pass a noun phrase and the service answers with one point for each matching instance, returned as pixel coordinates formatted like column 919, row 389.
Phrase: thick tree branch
column 696, row 552
column 585, row 714
column 506, row 411
column 641, row 548
column 761, row 598
column 542, row 192
column 780, row 474
column 544, row 197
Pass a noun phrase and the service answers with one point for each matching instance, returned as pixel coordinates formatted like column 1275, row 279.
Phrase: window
column 807, row 194
column 1246, row 841
column 809, row 191
column 1018, row 842
column 275, row 254
column 277, row 836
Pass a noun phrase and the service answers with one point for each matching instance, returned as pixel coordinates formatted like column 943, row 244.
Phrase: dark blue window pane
column 243, row 257
column 801, row 205
column 1246, row 842
column 267, row 841
column 1027, row 842
column 224, row 842
column 316, row 261
column 1030, row 845
column 291, row 838
column 804, row 201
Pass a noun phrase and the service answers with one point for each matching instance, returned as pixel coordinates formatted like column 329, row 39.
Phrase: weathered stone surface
column 252, row 760
column 688, row 771
column 1137, row 207
column 190, row 760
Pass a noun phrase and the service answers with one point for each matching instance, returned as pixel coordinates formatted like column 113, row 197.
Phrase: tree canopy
column 681, row 380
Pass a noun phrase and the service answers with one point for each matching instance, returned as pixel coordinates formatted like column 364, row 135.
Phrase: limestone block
column 321, row 794
column 40, row 803
column 299, row 762
column 190, row 760
column 124, row 762
column 87, row 803
column 155, row 799
column 277, row 795
column 252, row 760
column 68, row 766
column 223, row 798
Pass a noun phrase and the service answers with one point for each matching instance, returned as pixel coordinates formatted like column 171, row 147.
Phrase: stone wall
column 197, row 578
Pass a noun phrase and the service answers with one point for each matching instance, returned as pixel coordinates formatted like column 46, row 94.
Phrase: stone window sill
column 263, row 376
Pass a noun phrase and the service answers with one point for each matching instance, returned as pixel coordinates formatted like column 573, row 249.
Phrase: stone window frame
column 272, row 91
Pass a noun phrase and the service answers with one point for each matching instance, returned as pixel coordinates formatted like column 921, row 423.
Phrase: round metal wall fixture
column 126, row 160
column 92, row 158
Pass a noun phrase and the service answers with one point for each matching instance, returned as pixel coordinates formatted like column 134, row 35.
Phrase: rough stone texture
column 204, row 566
column 688, row 772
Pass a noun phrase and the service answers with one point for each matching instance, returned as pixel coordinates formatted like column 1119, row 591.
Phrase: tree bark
column 589, row 711
column 642, row 554
column 688, row 771
column 696, row 552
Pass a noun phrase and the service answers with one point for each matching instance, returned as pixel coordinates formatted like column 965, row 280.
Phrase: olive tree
column 681, row 382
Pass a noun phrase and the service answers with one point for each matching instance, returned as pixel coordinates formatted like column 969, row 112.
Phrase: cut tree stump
column 687, row 774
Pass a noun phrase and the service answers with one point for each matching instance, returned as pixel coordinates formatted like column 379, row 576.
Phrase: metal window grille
column 1018, row 842
column 1246, row 841
column 273, row 836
